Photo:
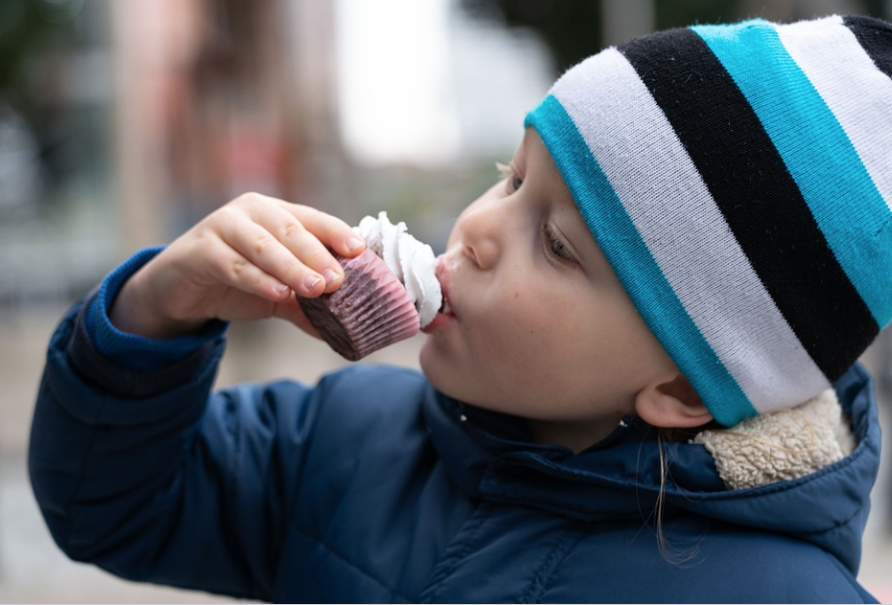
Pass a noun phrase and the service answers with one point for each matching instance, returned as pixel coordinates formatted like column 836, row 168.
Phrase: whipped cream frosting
column 412, row 261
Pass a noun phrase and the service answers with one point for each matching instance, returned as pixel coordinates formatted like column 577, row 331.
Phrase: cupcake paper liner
column 369, row 311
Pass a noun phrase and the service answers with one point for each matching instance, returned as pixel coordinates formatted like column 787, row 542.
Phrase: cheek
column 577, row 342
column 534, row 339
column 496, row 351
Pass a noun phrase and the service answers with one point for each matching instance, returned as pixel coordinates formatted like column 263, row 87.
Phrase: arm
column 140, row 469
column 176, row 486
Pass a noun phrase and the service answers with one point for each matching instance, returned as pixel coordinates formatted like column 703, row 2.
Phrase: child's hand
column 243, row 261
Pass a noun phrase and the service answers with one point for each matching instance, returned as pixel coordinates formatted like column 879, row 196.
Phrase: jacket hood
column 619, row 479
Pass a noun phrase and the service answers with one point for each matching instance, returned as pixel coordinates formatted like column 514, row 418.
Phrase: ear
column 671, row 402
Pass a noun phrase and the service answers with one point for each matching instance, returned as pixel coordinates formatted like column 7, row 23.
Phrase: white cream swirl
column 410, row 260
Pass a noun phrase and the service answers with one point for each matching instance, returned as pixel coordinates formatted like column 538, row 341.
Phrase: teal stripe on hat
column 633, row 263
column 816, row 151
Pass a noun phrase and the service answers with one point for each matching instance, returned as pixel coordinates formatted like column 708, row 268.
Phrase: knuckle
column 203, row 231
column 222, row 215
column 261, row 244
column 292, row 229
column 249, row 197
column 237, row 268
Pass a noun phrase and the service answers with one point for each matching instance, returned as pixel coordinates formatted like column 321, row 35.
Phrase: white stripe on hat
column 858, row 94
column 642, row 157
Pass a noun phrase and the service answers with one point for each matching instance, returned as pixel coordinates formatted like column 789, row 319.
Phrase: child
column 694, row 232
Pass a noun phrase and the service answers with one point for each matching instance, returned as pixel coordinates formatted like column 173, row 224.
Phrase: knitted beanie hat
column 739, row 181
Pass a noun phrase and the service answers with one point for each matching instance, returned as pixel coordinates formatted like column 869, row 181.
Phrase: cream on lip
column 445, row 314
column 443, row 270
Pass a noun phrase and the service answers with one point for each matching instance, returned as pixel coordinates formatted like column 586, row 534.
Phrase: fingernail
column 280, row 288
column 329, row 276
column 310, row 282
column 353, row 243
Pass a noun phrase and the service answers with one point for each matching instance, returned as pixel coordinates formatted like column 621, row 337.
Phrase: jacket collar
column 490, row 457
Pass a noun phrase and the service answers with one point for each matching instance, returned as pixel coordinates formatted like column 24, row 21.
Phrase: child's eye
column 555, row 247
column 513, row 180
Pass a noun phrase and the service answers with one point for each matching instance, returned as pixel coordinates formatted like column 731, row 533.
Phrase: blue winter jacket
column 372, row 486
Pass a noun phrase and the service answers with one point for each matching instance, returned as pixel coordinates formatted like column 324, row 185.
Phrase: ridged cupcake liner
column 370, row 310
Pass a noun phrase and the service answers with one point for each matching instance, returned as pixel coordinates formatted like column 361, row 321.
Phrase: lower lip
column 439, row 323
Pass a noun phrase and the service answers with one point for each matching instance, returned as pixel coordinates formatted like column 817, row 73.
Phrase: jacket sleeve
column 151, row 477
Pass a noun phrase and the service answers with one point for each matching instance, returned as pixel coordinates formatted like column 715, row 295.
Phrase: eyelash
column 511, row 177
column 554, row 247
column 557, row 248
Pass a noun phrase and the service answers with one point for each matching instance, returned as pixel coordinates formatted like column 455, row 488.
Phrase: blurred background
column 122, row 123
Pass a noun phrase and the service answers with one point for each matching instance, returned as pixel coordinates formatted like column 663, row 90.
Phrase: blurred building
column 215, row 98
column 169, row 108
column 153, row 113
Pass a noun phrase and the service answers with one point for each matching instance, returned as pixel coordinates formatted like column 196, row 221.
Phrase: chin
column 445, row 377
column 429, row 364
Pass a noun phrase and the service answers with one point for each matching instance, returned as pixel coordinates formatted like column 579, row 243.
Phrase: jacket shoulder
column 363, row 393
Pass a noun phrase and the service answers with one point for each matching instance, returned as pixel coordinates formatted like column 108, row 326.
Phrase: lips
column 441, row 272
column 445, row 315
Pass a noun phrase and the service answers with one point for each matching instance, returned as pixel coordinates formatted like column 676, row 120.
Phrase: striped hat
column 739, row 181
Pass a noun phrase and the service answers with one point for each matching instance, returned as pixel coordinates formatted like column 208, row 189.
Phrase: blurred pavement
column 33, row 570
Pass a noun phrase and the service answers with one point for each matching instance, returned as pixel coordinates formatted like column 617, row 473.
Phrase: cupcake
column 389, row 293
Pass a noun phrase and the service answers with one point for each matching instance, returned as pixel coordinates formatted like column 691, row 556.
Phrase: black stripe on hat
column 757, row 196
column 875, row 37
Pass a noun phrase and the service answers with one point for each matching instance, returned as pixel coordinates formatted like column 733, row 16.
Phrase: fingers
column 241, row 262
column 233, row 269
column 294, row 265
column 334, row 233
column 289, row 242
column 331, row 231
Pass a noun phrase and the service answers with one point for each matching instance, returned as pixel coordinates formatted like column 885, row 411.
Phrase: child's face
column 540, row 326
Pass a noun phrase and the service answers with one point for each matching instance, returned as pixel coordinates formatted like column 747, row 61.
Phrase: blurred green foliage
column 571, row 29
column 29, row 29
column 688, row 12
column 39, row 40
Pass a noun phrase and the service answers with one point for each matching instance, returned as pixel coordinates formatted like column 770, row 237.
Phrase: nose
column 482, row 227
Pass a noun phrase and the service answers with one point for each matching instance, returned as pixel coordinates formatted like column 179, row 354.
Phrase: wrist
column 131, row 313
column 140, row 339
